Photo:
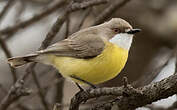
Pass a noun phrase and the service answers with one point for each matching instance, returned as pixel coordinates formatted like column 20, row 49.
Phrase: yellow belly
column 95, row 70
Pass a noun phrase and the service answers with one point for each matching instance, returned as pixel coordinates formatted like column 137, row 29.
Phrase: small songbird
column 95, row 54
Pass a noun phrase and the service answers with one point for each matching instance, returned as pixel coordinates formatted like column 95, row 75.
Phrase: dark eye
column 116, row 30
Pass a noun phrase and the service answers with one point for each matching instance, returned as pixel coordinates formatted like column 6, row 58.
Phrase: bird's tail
column 19, row 61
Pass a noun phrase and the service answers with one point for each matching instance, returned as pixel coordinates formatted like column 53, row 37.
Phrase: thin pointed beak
column 133, row 31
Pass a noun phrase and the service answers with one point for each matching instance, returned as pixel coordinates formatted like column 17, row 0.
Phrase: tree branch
column 147, row 94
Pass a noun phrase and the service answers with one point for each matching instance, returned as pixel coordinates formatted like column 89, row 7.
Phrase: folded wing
column 79, row 47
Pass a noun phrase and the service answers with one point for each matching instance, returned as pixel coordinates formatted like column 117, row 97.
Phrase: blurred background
column 151, row 57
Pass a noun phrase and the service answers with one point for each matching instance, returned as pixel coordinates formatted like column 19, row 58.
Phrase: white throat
column 123, row 40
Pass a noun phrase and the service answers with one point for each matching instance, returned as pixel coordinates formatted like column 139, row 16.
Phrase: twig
column 125, row 82
column 109, row 11
column 67, row 27
column 6, row 9
column 59, row 83
column 57, row 107
column 87, row 12
column 42, row 97
column 51, row 83
column 20, row 9
column 14, row 93
column 85, row 4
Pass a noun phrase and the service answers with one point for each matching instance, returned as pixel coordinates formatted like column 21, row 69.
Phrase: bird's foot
column 86, row 91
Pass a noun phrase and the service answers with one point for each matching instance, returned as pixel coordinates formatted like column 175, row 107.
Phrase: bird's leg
column 86, row 82
column 81, row 89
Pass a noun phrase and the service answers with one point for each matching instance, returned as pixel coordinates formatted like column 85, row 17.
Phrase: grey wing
column 78, row 47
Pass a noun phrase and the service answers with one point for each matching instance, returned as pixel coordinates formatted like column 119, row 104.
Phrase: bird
column 90, row 56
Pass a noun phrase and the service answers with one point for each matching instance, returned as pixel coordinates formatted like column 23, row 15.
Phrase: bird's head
column 119, row 32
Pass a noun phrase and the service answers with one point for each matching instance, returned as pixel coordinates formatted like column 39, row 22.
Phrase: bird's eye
column 116, row 30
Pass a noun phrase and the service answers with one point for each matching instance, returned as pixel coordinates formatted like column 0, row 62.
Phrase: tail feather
column 19, row 61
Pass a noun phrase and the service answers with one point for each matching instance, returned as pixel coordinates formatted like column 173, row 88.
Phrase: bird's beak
column 133, row 31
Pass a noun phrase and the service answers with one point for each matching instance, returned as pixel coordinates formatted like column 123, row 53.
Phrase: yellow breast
column 95, row 70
